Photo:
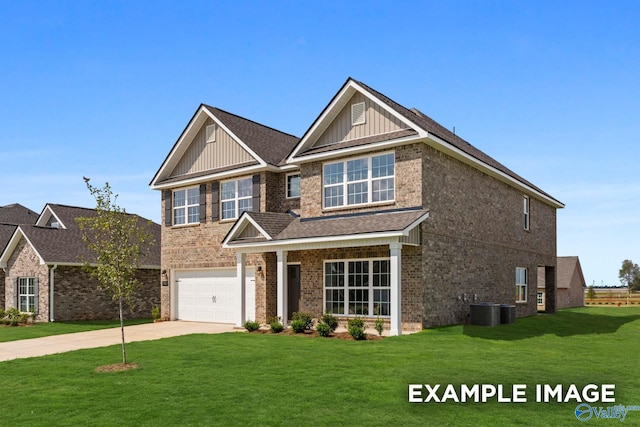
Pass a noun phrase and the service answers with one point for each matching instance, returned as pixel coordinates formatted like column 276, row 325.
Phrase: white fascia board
column 235, row 138
column 206, row 178
column 415, row 223
column 456, row 153
column 41, row 219
column 240, row 225
column 367, row 148
column 11, row 246
column 348, row 240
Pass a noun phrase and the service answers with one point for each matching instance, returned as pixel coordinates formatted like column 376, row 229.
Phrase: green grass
column 38, row 330
column 257, row 379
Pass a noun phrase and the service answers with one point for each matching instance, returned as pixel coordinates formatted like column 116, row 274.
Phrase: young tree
column 118, row 241
column 629, row 276
column 591, row 292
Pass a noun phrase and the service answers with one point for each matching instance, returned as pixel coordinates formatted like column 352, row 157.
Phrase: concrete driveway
column 104, row 337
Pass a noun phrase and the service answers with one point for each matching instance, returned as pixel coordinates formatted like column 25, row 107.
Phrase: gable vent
column 357, row 113
column 211, row 133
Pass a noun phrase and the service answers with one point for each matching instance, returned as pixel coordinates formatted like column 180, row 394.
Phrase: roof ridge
column 251, row 121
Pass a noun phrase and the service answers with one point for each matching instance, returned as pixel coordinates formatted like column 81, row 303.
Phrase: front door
column 293, row 284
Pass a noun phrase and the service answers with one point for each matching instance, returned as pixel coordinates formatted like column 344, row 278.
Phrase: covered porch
column 354, row 263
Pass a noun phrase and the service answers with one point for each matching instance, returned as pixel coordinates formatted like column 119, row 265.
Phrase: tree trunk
column 124, row 351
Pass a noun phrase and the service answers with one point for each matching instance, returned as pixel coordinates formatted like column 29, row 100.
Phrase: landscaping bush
column 298, row 326
column 155, row 312
column 330, row 320
column 379, row 325
column 251, row 326
column 302, row 317
column 324, row 330
column 356, row 328
column 276, row 327
column 13, row 316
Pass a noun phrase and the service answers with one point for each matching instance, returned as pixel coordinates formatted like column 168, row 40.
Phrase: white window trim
column 358, row 120
column 186, row 207
column 287, row 185
column 527, row 216
column 524, row 285
column 236, row 200
column 20, row 295
column 369, row 181
column 540, row 298
column 346, row 287
column 210, row 133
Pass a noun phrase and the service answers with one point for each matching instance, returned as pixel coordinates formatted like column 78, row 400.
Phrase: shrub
column 276, row 327
column 302, row 317
column 330, row 320
column 379, row 325
column 323, row 329
column 298, row 326
column 251, row 326
column 13, row 316
column 155, row 312
column 356, row 328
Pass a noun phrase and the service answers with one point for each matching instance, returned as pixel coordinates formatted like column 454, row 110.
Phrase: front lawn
column 260, row 379
column 38, row 330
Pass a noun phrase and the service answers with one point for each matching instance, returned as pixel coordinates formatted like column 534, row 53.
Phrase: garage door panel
column 213, row 295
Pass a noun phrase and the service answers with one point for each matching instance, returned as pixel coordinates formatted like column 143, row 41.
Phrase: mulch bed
column 314, row 334
column 117, row 367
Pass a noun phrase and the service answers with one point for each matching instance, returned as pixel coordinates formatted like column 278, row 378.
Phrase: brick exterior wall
column 76, row 293
column 474, row 239
column 25, row 263
column 78, row 296
column 2, row 290
column 471, row 244
column 199, row 246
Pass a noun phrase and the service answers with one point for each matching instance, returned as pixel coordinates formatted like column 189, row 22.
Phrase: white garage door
column 213, row 295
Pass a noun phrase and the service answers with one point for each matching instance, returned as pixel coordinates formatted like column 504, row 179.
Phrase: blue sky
column 551, row 89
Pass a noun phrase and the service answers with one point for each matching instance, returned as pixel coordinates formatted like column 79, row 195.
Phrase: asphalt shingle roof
column 17, row 214
column 65, row 245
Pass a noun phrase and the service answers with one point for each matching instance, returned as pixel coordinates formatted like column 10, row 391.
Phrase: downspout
column 51, row 282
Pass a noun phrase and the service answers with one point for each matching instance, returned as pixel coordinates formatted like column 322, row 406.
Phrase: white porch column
column 395, row 259
column 282, row 285
column 241, row 275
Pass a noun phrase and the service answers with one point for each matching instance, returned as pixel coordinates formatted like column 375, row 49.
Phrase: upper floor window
column 186, row 206
column 293, row 185
column 235, row 197
column 526, row 213
column 521, row 284
column 359, row 181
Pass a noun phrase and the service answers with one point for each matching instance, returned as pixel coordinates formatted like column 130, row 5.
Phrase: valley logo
column 585, row 412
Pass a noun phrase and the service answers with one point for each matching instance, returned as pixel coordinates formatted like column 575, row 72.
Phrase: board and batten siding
column 202, row 155
column 377, row 121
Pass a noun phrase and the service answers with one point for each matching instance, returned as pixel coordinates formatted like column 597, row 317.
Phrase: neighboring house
column 376, row 211
column 44, row 275
column 10, row 217
column 570, row 285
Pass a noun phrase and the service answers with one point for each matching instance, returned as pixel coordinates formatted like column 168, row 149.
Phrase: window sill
column 352, row 207
column 193, row 224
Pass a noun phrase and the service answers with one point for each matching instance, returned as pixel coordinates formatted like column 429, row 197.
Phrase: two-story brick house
column 376, row 211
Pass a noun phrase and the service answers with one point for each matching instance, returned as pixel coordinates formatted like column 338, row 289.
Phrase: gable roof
column 6, row 231
column 282, row 229
column 17, row 214
column 64, row 245
column 267, row 146
column 567, row 269
column 420, row 128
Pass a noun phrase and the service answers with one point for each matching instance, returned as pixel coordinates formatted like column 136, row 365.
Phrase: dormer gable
column 216, row 144
column 48, row 218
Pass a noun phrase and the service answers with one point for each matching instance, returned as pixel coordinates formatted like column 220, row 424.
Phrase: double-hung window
column 235, row 197
column 359, row 181
column 358, row 287
column 27, row 294
column 521, row 284
column 186, row 206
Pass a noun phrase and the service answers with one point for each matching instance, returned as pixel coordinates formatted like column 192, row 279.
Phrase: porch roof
column 283, row 230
